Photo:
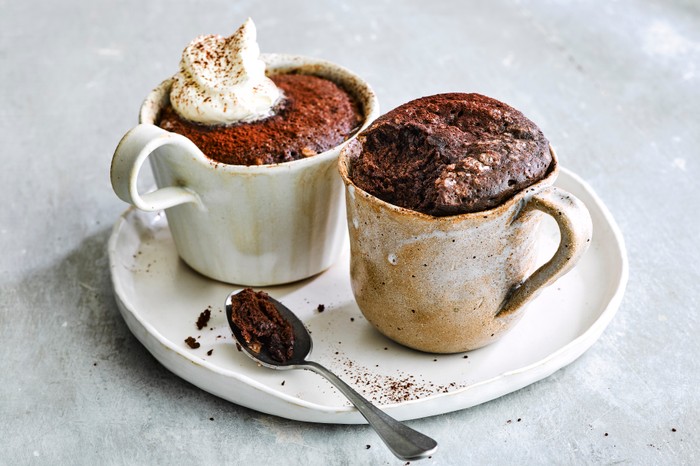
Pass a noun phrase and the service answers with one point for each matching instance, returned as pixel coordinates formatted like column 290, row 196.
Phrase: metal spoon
column 404, row 442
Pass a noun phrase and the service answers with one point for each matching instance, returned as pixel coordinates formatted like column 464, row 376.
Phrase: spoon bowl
column 302, row 339
column 404, row 442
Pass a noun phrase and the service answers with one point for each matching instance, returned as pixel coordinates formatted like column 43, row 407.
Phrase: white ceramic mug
column 247, row 225
column 456, row 283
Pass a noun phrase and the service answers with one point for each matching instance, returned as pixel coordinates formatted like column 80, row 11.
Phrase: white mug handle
column 132, row 151
column 575, row 227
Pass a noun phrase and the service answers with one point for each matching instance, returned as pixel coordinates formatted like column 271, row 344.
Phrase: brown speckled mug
column 457, row 283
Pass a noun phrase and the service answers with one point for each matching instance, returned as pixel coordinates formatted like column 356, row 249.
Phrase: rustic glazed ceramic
column 456, row 283
column 248, row 225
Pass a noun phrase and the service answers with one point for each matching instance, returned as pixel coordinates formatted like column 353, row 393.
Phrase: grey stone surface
column 614, row 85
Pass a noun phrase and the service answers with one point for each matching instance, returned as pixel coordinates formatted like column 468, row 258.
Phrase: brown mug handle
column 575, row 227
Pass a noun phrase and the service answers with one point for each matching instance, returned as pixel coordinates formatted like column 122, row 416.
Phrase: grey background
column 615, row 86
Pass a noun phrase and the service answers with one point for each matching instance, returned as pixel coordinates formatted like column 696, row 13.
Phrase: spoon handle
column 404, row 442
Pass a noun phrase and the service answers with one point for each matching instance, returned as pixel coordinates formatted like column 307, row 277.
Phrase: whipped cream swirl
column 222, row 80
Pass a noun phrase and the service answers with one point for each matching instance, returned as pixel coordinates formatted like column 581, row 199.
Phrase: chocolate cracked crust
column 314, row 116
column 449, row 154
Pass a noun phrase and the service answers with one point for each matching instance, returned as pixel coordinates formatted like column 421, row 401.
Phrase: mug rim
column 548, row 180
column 277, row 63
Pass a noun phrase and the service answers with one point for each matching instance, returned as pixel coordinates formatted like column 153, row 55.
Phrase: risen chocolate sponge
column 448, row 154
column 314, row 116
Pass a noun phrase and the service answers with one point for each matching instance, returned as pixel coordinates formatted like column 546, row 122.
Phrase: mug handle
column 575, row 227
column 132, row 151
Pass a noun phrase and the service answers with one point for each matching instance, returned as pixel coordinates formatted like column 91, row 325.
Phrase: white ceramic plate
column 161, row 298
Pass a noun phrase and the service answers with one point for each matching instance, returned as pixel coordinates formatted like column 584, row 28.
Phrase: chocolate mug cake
column 449, row 154
column 270, row 119
column 314, row 116
column 444, row 196
column 246, row 171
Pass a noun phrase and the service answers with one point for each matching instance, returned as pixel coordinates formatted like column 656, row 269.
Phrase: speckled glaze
column 248, row 225
column 456, row 283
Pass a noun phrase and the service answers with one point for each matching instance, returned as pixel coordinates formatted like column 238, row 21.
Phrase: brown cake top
column 448, row 154
column 261, row 324
column 314, row 116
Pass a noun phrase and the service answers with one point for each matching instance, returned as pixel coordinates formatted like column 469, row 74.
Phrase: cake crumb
column 192, row 343
column 321, row 307
column 203, row 319
column 209, row 352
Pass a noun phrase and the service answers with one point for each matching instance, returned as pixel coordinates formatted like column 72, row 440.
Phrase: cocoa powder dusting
column 386, row 389
column 314, row 116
